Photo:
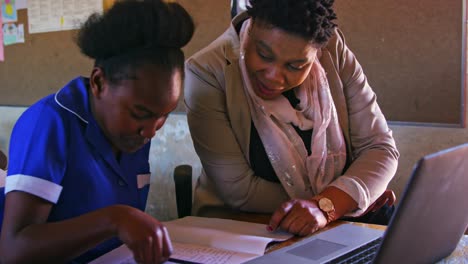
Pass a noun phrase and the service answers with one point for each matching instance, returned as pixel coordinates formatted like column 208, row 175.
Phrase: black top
column 258, row 157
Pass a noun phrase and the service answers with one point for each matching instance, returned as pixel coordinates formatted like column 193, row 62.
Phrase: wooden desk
column 459, row 255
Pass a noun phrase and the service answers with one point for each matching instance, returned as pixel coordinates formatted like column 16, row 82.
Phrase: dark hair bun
column 135, row 24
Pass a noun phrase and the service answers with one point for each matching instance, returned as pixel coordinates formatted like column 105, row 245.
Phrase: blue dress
column 59, row 153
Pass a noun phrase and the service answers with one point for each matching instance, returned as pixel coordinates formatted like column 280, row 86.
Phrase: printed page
column 218, row 239
column 226, row 234
column 120, row 255
column 208, row 240
column 208, row 255
column 53, row 15
column 183, row 253
column 239, row 227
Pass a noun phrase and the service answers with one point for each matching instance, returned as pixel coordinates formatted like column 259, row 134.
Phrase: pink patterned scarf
column 301, row 175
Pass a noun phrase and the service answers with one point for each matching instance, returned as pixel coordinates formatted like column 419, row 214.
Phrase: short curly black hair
column 310, row 19
column 133, row 33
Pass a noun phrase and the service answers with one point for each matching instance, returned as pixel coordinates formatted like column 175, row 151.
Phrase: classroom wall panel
column 413, row 53
column 47, row 61
column 40, row 66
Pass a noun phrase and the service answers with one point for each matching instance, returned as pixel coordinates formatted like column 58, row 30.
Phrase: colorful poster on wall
column 9, row 13
column 13, row 33
column 54, row 15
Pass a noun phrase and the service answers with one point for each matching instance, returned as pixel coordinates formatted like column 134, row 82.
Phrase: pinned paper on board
column 55, row 15
column 13, row 33
column 9, row 13
column 2, row 57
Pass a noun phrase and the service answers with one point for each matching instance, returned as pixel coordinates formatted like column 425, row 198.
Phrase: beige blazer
column 220, row 122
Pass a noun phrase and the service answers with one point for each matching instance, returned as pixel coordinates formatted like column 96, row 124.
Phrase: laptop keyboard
column 364, row 254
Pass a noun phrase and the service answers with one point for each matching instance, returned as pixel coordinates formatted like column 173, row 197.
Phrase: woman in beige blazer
column 284, row 120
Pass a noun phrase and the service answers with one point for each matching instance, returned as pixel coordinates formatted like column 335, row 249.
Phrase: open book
column 208, row 240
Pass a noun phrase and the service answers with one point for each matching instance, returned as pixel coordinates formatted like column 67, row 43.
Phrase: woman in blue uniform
column 78, row 169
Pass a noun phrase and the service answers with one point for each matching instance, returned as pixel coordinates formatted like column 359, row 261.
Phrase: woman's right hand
column 299, row 217
column 144, row 235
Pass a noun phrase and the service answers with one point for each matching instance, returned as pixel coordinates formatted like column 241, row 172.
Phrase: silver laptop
column 427, row 225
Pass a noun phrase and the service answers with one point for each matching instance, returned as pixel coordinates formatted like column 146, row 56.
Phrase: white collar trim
column 68, row 109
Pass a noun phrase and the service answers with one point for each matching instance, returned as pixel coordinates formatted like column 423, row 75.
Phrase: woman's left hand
column 299, row 217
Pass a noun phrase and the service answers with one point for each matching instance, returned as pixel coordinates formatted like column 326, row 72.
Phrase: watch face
column 326, row 205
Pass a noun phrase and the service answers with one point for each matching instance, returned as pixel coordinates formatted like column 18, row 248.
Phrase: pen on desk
column 182, row 261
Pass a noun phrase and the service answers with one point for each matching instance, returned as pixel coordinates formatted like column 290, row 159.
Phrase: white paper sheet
column 209, row 255
column 54, row 15
column 2, row 56
column 223, row 233
column 209, row 241
column 12, row 33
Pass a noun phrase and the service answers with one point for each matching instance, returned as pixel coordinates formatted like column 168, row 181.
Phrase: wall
column 30, row 70
column 414, row 142
column 8, row 116
column 418, row 45
column 172, row 146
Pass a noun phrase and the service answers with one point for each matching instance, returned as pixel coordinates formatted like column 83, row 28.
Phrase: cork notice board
column 47, row 61
column 413, row 53
column 40, row 66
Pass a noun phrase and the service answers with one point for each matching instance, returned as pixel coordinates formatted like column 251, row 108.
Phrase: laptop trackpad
column 316, row 249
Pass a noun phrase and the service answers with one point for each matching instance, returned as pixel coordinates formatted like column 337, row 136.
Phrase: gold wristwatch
column 326, row 206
